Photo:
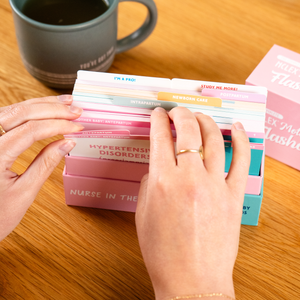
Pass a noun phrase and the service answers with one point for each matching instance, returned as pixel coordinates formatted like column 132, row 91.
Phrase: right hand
column 189, row 215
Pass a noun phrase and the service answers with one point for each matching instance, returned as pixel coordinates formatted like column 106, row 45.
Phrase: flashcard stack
column 112, row 152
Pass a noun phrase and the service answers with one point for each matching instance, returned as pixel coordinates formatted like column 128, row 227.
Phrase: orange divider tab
column 190, row 99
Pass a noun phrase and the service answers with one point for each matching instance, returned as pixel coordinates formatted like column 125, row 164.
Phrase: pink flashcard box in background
column 279, row 72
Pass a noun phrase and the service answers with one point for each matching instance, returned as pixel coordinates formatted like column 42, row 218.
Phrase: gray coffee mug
column 54, row 53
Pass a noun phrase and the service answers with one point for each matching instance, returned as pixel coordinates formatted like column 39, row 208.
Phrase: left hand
column 25, row 123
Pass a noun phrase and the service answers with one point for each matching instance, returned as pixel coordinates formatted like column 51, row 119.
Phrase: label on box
column 122, row 148
column 190, row 99
column 233, row 95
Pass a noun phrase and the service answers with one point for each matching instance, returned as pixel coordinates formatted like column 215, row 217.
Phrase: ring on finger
column 200, row 151
column 2, row 131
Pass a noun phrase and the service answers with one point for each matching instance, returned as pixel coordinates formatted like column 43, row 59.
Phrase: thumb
column 26, row 186
column 43, row 165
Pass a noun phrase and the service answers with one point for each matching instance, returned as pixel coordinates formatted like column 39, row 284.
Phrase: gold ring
column 2, row 131
column 200, row 151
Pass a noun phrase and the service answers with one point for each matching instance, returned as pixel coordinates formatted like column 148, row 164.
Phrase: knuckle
column 29, row 126
column 205, row 118
column 161, row 184
column 242, row 138
column 20, row 111
column 160, row 181
column 215, row 140
column 9, row 108
column 60, row 107
column 179, row 109
column 48, row 163
column 47, row 99
column 29, row 129
column 186, row 124
column 194, row 192
column 193, row 188
column 160, row 136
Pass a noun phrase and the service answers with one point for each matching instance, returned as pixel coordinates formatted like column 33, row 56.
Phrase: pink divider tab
column 133, row 130
column 233, row 95
column 89, row 133
column 101, row 193
column 254, row 183
column 115, row 121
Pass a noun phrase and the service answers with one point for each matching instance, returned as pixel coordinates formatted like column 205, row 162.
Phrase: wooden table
column 61, row 252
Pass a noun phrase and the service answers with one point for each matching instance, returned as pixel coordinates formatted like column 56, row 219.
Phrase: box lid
column 279, row 72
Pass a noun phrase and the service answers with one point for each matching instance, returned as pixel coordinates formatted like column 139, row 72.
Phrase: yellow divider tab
column 190, row 99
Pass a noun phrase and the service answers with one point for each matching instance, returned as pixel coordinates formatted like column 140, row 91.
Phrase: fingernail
column 66, row 147
column 78, row 126
column 239, row 126
column 65, row 98
column 75, row 110
column 158, row 108
column 198, row 113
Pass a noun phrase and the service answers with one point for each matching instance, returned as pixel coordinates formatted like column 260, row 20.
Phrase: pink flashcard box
column 114, row 185
column 279, row 72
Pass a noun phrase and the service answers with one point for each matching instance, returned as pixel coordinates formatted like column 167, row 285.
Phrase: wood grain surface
column 60, row 252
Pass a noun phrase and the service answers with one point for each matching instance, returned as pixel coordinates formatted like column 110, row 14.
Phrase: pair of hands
column 188, row 215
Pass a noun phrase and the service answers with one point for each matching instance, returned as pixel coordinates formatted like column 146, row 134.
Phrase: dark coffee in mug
column 64, row 12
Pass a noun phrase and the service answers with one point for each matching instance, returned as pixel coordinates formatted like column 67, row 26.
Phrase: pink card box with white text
column 101, row 192
column 122, row 195
column 279, row 72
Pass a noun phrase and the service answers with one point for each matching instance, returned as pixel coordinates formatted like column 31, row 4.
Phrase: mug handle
column 141, row 33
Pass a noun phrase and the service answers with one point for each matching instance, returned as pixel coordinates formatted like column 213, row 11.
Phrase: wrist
column 177, row 286
column 209, row 296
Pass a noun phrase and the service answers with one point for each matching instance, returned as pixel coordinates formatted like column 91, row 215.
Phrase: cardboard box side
column 100, row 193
column 118, row 170
column 111, row 169
column 251, row 209
column 123, row 195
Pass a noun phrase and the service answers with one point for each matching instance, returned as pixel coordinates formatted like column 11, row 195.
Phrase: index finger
column 162, row 153
column 65, row 99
